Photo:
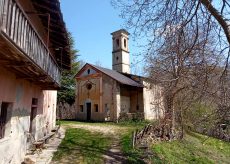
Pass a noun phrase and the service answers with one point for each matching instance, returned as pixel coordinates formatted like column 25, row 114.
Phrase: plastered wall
column 93, row 96
column 19, row 94
column 153, row 101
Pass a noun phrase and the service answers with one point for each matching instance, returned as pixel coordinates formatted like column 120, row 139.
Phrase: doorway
column 88, row 108
column 3, row 118
column 33, row 114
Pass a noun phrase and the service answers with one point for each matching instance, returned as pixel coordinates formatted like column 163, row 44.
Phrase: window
column 88, row 71
column 34, row 102
column 33, row 114
column 117, row 57
column 106, row 108
column 88, row 86
column 3, row 118
column 81, row 108
column 96, row 107
column 117, row 41
column 137, row 107
column 125, row 43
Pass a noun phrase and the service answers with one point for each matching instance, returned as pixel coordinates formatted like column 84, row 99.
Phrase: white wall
column 153, row 101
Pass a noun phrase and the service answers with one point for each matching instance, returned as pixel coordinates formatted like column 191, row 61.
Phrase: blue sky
column 91, row 24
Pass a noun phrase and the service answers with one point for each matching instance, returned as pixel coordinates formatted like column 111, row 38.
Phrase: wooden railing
column 15, row 24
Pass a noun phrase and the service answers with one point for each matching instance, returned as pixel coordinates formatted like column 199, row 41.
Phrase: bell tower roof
column 120, row 31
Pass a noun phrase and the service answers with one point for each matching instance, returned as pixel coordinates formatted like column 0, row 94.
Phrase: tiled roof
column 118, row 76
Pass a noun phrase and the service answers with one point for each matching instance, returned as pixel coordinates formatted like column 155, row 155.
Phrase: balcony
column 22, row 49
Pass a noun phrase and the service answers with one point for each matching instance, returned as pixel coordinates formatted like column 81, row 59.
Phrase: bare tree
column 187, row 42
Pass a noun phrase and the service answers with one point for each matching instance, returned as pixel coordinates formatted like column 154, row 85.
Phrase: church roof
column 116, row 76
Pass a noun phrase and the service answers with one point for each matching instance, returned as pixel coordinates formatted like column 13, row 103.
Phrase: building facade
column 108, row 95
column 33, row 40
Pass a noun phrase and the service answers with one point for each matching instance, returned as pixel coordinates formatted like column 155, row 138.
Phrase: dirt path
column 114, row 154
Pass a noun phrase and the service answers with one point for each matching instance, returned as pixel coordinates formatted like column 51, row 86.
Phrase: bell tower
column 121, row 51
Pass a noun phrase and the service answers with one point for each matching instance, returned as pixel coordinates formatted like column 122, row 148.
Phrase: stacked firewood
column 153, row 133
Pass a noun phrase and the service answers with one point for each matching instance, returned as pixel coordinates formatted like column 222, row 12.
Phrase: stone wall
column 66, row 111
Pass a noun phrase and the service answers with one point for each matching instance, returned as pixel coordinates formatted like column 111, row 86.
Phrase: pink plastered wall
column 19, row 93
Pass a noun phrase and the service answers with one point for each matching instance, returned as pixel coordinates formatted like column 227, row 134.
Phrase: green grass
column 88, row 147
column 131, row 124
column 133, row 155
column 82, row 146
column 125, row 135
column 194, row 148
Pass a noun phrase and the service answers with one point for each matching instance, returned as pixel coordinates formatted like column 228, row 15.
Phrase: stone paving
column 46, row 155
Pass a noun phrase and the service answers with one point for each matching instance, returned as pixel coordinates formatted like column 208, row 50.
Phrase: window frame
column 96, row 109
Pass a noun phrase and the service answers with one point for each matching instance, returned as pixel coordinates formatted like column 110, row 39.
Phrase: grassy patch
column 125, row 135
column 131, row 124
column 194, row 148
column 133, row 155
column 82, row 146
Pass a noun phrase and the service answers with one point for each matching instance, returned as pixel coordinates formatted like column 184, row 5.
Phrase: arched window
column 125, row 43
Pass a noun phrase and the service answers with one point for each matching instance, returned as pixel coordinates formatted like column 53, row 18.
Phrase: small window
column 3, row 117
column 117, row 57
column 96, row 107
column 34, row 101
column 81, row 108
column 125, row 43
column 137, row 107
column 88, row 71
column 117, row 41
column 33, row 113
column 89, row 86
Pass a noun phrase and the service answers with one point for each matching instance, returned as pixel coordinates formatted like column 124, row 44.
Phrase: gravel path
column 114, row 154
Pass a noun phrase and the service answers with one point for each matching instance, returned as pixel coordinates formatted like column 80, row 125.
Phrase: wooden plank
column 4, row 15
column 134, row 139
column 23, row 33
column 28, row 41
column 9, row 18
column 26, row 38
column 32, row 44
column 16, row 25
column 18, row 34
column 1, row 12
column 12, row 23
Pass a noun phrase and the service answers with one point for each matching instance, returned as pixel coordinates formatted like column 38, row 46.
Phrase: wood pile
column 152, row 134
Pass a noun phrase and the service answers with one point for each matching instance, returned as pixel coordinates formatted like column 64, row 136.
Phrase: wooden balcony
column 23, row 50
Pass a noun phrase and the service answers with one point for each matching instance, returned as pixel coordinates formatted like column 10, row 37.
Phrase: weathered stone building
column 33, row 48
column 106, row 95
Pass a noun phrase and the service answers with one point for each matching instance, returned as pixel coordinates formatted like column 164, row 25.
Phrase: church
column 110, row 95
